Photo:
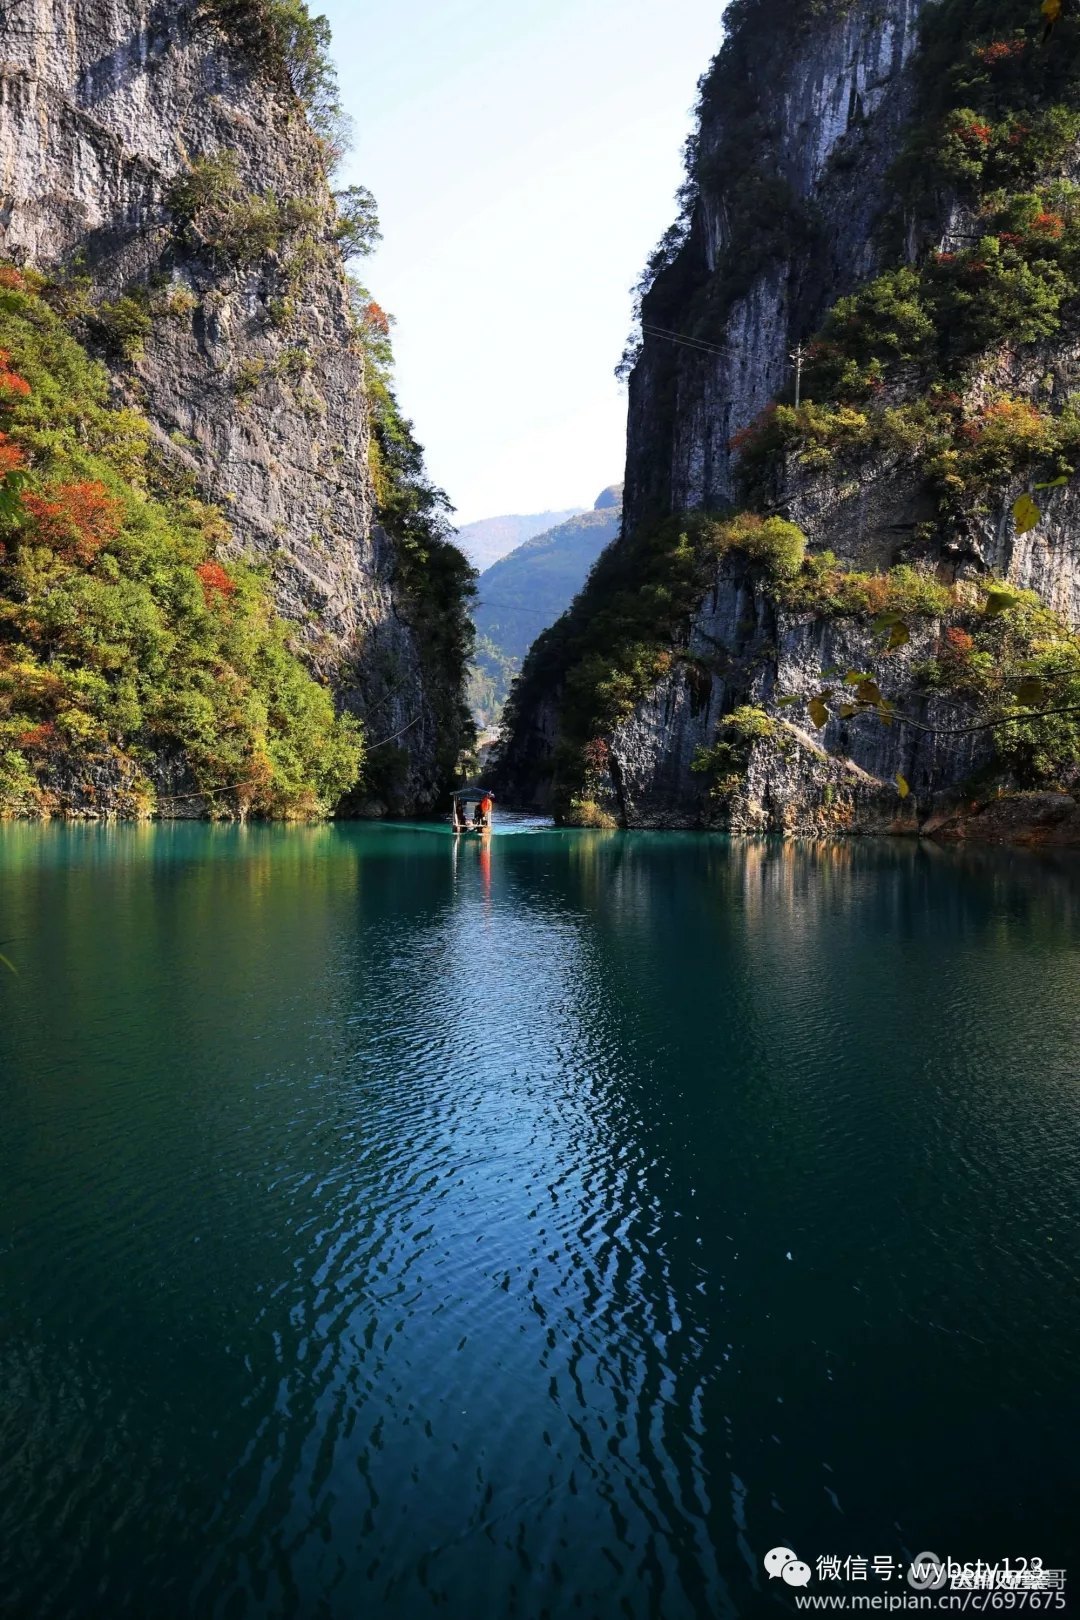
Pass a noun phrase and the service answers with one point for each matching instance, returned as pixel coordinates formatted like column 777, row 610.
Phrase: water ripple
column 391, row 1227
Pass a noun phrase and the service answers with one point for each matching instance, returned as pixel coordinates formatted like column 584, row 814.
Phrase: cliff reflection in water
column 391, row 1224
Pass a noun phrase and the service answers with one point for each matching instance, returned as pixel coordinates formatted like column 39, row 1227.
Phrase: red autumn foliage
column 596, row 755
column 1051, row 226
column 958, row 643
column 876, row 594
column 1001, row 50
column 753, row 431
column 377, row 318
column 11, row 280
column 974, row 132
column 11, row 457
column 76, row 520
column 215, row 581
column 38, row 736
column 10, row 381
column 1017, row 133
column 945, row 258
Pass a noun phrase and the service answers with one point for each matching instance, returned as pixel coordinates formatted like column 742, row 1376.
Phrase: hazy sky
column 525, row 156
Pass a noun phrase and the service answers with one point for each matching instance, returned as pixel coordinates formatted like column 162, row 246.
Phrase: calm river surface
column 549, row 1229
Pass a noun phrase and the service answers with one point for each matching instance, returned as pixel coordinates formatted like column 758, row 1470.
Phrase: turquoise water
column 548, row 1227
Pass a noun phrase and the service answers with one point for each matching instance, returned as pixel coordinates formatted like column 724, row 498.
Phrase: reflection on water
column 544, row 1225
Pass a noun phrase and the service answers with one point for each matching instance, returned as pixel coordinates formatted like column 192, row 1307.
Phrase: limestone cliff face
column 819, row 102
column 249, row 370
column 830, row 104
column 806, row 781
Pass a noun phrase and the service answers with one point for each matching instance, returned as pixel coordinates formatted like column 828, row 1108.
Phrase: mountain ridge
column 523, row 593
column 486, row 540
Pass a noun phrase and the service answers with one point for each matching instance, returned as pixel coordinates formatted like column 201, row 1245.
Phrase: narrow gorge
column 854, row 607
column 225, row 579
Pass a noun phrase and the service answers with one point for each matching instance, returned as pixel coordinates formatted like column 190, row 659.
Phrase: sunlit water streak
column 547, row 1226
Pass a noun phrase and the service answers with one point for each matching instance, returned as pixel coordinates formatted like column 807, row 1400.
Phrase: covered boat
column 472, row 811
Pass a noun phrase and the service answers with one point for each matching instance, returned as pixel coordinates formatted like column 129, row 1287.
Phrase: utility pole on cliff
column 799, row 357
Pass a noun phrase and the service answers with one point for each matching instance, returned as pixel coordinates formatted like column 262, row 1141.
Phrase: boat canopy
column 473, row 793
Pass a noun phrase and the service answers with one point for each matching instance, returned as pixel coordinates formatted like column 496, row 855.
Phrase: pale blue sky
column 525, row 157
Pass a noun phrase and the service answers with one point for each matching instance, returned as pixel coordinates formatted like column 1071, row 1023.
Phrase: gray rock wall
column 838, row 95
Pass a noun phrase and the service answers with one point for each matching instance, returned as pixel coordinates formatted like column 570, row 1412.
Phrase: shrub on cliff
column 1030, row 644
column 241, row 227
column 997, row 106
column 285, row 40
column 124, row 639
column 726, row 761
column 776, row 546
column 825, row 586
column 357, row 229
column 1007, row 287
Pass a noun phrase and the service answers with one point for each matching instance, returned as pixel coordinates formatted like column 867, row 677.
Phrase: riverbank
column 1023, row 819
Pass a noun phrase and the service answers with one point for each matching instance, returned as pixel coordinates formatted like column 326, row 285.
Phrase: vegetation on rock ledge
column 132, row 644
column 285, row 40
column 623, row 632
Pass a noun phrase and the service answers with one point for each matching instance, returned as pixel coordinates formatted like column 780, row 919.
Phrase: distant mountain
column 485, row 541
column 525, row 592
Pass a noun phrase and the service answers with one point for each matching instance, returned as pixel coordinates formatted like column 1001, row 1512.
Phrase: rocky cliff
column 790, row 183
column 891, row 186
column 159, row 160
